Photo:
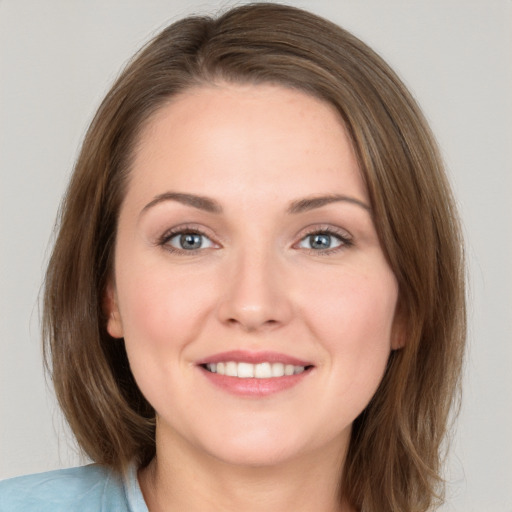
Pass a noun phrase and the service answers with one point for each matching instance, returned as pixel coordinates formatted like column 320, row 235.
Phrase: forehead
column 259, row 138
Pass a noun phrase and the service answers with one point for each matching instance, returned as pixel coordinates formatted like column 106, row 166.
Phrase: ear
column 399, row 329
column 110, row 307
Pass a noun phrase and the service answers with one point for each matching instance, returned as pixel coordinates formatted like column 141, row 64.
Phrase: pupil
column 320, row 241
column 190, row 241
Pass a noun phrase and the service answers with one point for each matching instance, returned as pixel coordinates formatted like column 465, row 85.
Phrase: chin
column 256, row 454
column 266, row 445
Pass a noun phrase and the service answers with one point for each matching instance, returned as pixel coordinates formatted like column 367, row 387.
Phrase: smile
column 244, row 370
column 254, row 374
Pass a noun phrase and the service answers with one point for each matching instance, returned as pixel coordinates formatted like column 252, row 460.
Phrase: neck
column 175, row 480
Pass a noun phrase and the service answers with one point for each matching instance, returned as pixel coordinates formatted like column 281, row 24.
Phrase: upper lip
column 243, row 356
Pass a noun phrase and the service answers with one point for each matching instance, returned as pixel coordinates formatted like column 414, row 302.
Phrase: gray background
column 57, row 59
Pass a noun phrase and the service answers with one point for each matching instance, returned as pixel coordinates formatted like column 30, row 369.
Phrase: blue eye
column 322, row 241
column 189, row 241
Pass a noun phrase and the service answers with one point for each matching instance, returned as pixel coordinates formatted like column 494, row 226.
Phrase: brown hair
column 393, row 461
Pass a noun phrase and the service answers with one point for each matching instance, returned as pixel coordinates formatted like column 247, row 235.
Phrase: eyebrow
column 202, row 203
column 310, row 203
column 211, row 206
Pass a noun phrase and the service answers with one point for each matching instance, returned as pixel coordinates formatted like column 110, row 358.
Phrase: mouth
column 264, row 370
column 254, row 374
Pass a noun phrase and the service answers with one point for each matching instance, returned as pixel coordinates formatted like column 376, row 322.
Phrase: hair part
column 394, row 457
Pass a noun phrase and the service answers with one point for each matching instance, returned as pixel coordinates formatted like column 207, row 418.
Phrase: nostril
column 252, row 324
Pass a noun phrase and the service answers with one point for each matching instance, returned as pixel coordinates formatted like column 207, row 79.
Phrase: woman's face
column 245, row 252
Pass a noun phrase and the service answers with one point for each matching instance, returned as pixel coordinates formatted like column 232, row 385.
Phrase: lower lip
column 254, row 387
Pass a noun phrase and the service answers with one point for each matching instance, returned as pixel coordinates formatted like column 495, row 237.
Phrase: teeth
column 278, row 369
column 231, row 369
column 245, row 370
column 263, row 371
column 258, row 371
column 289, row 369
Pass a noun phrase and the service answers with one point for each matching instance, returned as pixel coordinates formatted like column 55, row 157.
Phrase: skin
column 255, row 284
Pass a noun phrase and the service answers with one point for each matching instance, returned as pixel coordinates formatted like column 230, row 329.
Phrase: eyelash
column 342, row 236
column 164, row 240
column 345, row 241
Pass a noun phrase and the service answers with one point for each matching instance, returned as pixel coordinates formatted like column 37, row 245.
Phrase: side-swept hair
column 394, row 456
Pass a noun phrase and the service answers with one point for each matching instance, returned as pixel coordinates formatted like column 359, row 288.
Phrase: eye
column 324, row 241
column 187, row 241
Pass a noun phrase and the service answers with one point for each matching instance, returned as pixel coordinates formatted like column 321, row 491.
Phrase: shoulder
column 88, row 488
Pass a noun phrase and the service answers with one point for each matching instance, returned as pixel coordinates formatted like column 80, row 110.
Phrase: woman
column 255, row 300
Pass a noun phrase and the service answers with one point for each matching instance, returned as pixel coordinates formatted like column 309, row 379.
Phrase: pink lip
column 243, row 356
column 256, row 388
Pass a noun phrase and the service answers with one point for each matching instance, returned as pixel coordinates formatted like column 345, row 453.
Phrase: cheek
column 163, row 313
column 354, row 323
column 161, row 308
column 353, row 317
column 355, row 307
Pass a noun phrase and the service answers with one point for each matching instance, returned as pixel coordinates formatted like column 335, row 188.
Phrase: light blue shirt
column 90, row 488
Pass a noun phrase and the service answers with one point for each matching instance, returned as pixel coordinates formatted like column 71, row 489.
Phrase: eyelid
column 163, row 239
column 342, row 234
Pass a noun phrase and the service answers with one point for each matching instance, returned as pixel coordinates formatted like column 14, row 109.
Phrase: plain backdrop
column 57, row 60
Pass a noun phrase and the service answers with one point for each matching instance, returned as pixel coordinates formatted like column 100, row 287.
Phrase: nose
column 255, row 296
